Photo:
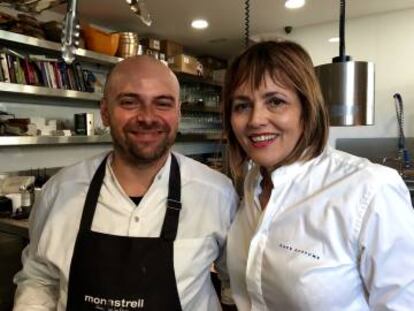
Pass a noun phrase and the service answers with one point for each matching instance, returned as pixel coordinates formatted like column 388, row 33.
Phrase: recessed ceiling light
column 294, row 4
column 333, row 39
column 199, row 24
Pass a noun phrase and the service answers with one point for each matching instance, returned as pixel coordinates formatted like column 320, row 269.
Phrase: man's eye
column 128, row 103
column 164, row 104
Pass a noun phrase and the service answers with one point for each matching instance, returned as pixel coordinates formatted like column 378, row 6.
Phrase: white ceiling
column 224, row 37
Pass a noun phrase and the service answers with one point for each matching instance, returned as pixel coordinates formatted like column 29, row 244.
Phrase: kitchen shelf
column 53, row 140
column 96, row 139
column 22, row 89
column 186, row 77
column 191, row 108
column 86, row 55
column 198, row 137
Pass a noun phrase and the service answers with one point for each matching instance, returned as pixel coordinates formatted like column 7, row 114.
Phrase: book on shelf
column 62, row 66
column 20, row 78
column 79, row 76
column 41, row 70
column 58, row 76
column 4, row 67
column 51, row 74
column 12, row 72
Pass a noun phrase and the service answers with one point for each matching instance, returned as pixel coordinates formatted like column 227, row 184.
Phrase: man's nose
column 146, row 114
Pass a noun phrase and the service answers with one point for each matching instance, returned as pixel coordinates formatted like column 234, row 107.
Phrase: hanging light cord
column 342, row 32
column 246, row 22
column 399, row 109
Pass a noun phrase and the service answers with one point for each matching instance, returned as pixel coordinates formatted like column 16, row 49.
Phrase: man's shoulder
column 79, row 172
column 193, row 171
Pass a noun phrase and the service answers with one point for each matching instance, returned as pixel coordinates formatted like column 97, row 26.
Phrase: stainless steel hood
column 348, row 90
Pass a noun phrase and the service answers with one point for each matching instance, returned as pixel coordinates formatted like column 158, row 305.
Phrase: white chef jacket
column 208, row 206
column 337, row 234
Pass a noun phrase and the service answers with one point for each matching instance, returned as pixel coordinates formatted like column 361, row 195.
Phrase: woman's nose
column 257, row 117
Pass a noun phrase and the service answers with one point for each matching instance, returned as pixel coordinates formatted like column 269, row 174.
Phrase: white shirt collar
column 161, row 178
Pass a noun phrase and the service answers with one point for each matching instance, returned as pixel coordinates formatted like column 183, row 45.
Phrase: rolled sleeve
column 387, row 248
column 38, row 281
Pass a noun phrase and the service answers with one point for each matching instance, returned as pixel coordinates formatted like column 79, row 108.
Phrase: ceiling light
column 294, row 4
column 334, row 40
column 199, row 24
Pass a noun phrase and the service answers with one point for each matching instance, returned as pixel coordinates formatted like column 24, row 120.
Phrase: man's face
column 142, row 109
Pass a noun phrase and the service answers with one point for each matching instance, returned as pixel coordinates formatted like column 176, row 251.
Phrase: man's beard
column 135, row 153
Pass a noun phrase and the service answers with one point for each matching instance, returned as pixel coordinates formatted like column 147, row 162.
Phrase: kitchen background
column 378, row 31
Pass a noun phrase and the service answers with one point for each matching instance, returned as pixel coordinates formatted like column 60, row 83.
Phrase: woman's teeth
column 262, row 138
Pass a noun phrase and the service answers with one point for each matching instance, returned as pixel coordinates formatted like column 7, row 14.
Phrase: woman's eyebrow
column 240, row 97
column 273, row 93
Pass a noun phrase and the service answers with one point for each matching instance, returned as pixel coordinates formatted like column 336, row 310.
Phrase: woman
column 318, row 229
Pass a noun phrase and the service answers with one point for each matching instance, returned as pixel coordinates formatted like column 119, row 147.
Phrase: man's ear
column 104, row 112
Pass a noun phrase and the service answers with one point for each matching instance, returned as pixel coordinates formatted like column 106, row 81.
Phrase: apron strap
column 92, row 197
column 170, row 225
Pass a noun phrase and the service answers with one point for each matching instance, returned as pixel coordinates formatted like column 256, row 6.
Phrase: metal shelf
column 23, row 89
column 194, row 108
column 52, row 140
column 188, row 137
column 56, row 47
column 97, row 139
column 186, row 77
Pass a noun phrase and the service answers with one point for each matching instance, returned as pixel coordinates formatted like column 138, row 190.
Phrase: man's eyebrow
column 134, row 95
column 165, row 97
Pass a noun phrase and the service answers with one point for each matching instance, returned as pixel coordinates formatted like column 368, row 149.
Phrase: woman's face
column 266, row 121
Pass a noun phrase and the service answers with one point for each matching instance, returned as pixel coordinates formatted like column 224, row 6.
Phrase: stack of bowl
column 128, row 44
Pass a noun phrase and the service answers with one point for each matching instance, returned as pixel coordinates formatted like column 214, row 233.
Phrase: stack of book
column 42, row 70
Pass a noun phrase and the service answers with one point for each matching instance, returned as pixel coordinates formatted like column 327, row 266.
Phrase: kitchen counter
column 14, row 236
column 16, row 227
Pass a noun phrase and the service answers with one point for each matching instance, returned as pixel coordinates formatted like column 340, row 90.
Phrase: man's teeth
column 261, row 138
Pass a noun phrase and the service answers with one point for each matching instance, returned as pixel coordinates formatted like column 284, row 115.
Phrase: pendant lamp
column 347, row 86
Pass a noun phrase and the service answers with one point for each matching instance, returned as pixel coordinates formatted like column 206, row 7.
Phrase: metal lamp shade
column 348, row 90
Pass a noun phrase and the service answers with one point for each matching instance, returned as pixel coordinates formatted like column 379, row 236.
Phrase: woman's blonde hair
column 289, row 65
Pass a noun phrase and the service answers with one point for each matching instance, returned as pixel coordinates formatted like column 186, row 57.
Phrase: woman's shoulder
column 344, row 163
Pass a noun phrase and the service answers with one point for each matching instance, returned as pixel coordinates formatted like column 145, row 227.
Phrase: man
column 137, row 229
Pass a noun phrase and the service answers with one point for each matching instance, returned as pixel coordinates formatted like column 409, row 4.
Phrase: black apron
column 119, row 273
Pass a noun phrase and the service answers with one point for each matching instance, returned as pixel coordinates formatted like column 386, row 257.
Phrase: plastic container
column 100, row 41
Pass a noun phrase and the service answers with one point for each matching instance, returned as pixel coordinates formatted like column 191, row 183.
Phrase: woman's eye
column 275, row 102
column 240, row 106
